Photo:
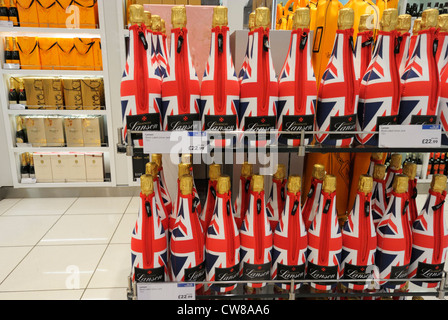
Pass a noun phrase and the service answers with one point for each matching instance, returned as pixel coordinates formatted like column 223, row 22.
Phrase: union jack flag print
column 363, row 52
column 404, row 41
column 276, row 201
column 311, row 204
column 161, row 52
column 338, row 94
column 209, row 205
column 162, row 209
column 222, row 245
column 140, row 87
column 379, row 204
column 443, row 107
column 379, row 93
column 167, row 202
column 297, row 88
column 429, row 241
column 149, row 251
column 245, row 68
column 242, row 200
column 442, row 51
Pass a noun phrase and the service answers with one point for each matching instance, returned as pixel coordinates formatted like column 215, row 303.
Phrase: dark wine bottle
column 31, row 166
column 4, row 14
column 20, row 132
column 13, row 96
column 15, row 55
column 22, row 93
column 13, row 14
column 24, row 167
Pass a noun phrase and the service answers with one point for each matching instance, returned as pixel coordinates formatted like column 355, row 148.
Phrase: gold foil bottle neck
column 147, row 184
column 21, row 85
column 379, row 171
column 365, row 184
column 136, row 14
column 23, row 161
column 430, row 18
column 389, row 20
column 443, row 22
column 163, row 26
column 157, row 158
column 438, row 183
column 186, row 158
column 401, row 183
column 301, row 19
column 247, row 170
column 262, row 18
column 186, row 184
column 377, row 156
column 395, row 161
column 257, row 183
column 363, row 21
column 404, row 23
column 252, row 21
column 280, row 174
column 417, row 26
column 318, row 171
column 214, row 171
column 184, row 169
column 179, row 17
column 346, row 18
column 147, row 19
column 152, row 169
column 294, row 184
column 156, row 23
column 224, row 184
column 329, row 184
column 410, row 169
column 220, row 16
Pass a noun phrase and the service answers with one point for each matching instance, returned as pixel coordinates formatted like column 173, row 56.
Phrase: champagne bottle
column 404, row 38
column 442, row 164
column 379, row 204
column 183, row 170
column 21, row 136
column 415, row 30
column 277, row 196
column 394, row 237
column 242, row 199
column 419, row 166
column 430, row 166
column 31, row 163
column 442, row 46
column 149, row 242
column 22, row 93
column 250, row 39
column 410, row 170
column 4, row 12
column 222, row 246
column 24, row 166
column 430, row 244
column 13, row 96
column 393, row 169
column 363, row 46
column 8, row 51
column 157, row 158
column 152, row 169
column 13, row 13
column 375, row 158
column 15, row 55
column 160, row 44
column 311, row 204
column 214, row 172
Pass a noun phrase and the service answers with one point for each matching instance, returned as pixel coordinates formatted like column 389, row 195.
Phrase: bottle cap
column 294, row 184
column 152, row 169
column 443, row 22
column 430, row 18
column 220, row 18
column 257, row 183
column 401, row 183
column 146, row 184
column 318, row 171
column 252, row 21
column 186, row 184
column 395, row 161
column 12, row 83
column 301, row 18
column 156, row 23
column 389, row 19
column 186, row 158
column 163, row 26
column 247, row 170
column 363, row 22
column 329, row 184
column 147, row 19
column 280, row 174
column 377, row 156
column 379, row 171
column 23, row 159
column 184, row 169
column 214, row 171
column 262, row 17
column 438, row 183
column 179, row 17
column 136, row 14
column 157, row 158
column 404, row 23
column 365, row 184
column 410, row 169
column 417, row 26
column 31, row 159
column 21, row 84
column 346, row 18
column 224, row 184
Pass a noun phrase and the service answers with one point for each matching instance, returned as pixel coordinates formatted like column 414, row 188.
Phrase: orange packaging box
column 29, row 52
column 85, row 59
column 67, row 54
column 88, row 13
column 49, row 53
column 47, row 13
column 28, row 15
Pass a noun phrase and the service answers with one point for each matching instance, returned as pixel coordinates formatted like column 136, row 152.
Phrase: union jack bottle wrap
column 410, row 170
column 325, row 240
column 311, row 204
column 394, row 168
column 379, row 93
column 394, row 245
column 256, row 238
column 250, row 38
column 363, row 47
column 242, row 199
column 277, row 195
column 181, row 93
column 187, row 244
column 379, row 203
column 149, row 241
column 339, row 90
column 259, row 86
column 153, row 169
column 220, row 88
column 290, row 240
column 430, row 237
column 413, row 41
column 403, row 42
column 443, row 107
column 222, row 245
column 442, row 47
column 214, row 172
column 420, row 83
column 167, row 202
column 140, row 87
column 359, row 238
column 160, row 44
column 375, row 158
column 297, row 83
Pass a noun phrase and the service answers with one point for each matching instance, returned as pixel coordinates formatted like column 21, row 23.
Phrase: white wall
column 5, row 167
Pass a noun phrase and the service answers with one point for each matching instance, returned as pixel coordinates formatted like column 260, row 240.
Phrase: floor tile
column 105, row 294
column 114, row 267
column 124, row 230
column 10, row 257
column 82, row 229
column 24, row 230
column 43, row 295
column 99, row 205
column 40, row 206
column 133, row 205
column 55, row 268
column 6, row 204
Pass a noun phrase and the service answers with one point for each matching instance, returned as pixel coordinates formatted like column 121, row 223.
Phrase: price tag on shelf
column 166, row 291
column 410, row 136
column 174, row 142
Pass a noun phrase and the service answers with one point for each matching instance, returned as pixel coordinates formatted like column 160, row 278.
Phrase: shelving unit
column 9, row 115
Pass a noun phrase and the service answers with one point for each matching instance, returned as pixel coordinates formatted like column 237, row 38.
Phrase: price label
column 174, row 142
column 410, row 136
column 166, row 291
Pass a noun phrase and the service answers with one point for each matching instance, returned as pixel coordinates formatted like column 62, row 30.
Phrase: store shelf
column 53, row 32
column 54, row 73
column 64, row 185
column 60, row 149
column 48, row 112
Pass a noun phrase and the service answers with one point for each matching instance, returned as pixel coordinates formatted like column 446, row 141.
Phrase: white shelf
column 52, row 32
column 54, row 73
column 64, row 185
column 46, row 112
column 60, row 149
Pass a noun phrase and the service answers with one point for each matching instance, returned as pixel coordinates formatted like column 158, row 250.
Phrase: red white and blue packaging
column 277, row 195
column 311, row 205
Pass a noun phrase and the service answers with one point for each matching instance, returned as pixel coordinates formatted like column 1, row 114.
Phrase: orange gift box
column 29, row 52
column 67, row 54
column 49, row 53
column 97, row 54
column 88, row 13
column 85, row 59
column 66, row 18
column 47, row 14
column 28, row 15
